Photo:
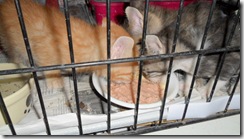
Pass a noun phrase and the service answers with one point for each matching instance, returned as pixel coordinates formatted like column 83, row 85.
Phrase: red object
column 117, row 9
column 52, row 3
column 174, row 5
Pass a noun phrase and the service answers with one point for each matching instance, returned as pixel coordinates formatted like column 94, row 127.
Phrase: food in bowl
column 124, row 93
column 127, row 92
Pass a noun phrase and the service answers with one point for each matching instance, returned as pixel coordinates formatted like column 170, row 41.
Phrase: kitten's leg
column 206, row 89
column 54, row 79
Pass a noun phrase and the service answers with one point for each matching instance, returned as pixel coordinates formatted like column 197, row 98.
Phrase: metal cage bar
column 67, row 18
column 149, row 129
column 108, row 3
column 28, row 49
column 122, row 60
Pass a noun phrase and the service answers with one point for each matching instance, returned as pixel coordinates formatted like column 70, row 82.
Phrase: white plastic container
column 15, row 89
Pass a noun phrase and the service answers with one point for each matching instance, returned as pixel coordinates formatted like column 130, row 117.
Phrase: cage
column 84, row 109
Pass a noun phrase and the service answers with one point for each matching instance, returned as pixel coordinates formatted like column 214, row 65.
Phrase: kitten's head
column 154, row 69
column 122, row 46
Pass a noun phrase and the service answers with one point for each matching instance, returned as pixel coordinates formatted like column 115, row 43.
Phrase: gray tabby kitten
column 159, row 40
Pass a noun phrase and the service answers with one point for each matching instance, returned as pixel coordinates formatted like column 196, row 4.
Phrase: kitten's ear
column 154, row 45
column 122, row 48
column 135, row 19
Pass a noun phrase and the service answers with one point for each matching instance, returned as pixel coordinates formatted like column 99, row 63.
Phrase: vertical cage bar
column 6, row 115
column 232, row 93
column 67, row 18
column 187, row 100
column 222, row 59
column 29, row 53
column 108, row 3
column 238, row 3
column 141, row 64
column 177, row 31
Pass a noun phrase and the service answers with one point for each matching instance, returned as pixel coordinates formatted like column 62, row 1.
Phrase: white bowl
column 100, row 84
column 15, row 89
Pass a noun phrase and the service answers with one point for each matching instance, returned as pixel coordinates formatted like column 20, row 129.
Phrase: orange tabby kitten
column 46, row 29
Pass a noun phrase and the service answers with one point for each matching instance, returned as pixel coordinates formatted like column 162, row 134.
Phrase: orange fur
column 47, row 34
